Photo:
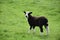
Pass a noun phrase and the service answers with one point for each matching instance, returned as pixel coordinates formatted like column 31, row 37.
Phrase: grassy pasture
column 14, row 26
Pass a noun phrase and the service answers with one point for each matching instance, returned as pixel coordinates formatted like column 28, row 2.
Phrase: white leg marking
column 47, row 30
column 41, row 33
column 33, row 30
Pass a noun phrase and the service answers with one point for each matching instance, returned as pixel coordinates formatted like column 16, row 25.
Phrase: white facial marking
column 27, row 14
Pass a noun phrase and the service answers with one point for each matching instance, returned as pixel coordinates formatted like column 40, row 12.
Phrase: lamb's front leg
column 33, row 29
column 29, row 29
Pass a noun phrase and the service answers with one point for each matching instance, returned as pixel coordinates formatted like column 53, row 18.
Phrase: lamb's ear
column 30, row 13
column 24, row 12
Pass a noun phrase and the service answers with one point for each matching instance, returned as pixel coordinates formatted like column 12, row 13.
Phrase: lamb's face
column 27, row 13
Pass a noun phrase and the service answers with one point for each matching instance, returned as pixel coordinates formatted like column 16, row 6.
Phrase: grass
column 13, row 24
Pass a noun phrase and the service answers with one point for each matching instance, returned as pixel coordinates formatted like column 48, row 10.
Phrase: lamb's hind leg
column 47, row 28
column 41, row 29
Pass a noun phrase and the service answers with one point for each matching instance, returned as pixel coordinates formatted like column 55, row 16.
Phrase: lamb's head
column 27, row 13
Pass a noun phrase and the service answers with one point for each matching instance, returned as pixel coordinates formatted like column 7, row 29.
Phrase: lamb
column 37, row 21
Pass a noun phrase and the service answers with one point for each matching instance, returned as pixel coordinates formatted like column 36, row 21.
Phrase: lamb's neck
column 30, row 16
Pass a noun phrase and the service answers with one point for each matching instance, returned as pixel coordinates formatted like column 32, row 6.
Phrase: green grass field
column 14, row 26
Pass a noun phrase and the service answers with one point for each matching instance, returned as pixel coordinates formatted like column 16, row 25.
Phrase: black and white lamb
column 37, row 21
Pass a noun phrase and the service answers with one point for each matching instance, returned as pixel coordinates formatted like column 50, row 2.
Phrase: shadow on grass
column 1, row 11
column 3, row 34
column 25, row 35
column 42, row 36
column 0, row 2
column 58, row 11
column 57, row 37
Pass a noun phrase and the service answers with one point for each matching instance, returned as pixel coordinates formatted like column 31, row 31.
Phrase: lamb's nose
column 26, row 16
